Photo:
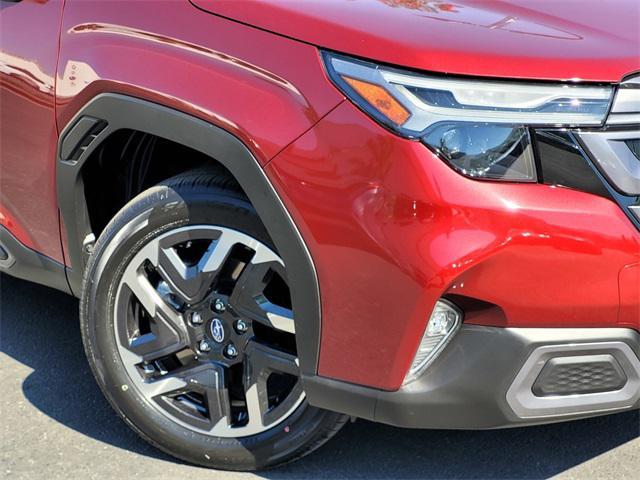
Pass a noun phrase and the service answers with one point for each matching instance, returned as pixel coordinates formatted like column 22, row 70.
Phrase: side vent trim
column 83, row 132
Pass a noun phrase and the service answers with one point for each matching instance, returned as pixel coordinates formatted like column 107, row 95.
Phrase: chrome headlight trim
column 625, row 109
column 615, row 159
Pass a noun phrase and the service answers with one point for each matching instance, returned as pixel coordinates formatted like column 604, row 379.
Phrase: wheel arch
column 109, row 112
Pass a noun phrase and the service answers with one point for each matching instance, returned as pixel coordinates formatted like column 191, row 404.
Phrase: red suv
column 279, row 215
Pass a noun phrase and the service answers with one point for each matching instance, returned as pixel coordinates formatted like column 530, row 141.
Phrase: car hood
column 595, row 40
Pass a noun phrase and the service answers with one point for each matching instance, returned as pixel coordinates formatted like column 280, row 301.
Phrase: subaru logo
column 217, row 330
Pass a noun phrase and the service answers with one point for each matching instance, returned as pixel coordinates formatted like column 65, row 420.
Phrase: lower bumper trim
column 525, row 399
column 484, row 378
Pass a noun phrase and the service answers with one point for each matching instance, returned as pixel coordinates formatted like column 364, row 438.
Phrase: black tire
column 189, row 199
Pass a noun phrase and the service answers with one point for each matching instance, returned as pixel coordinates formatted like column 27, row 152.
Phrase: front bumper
column 486, row 378
column 391, row 229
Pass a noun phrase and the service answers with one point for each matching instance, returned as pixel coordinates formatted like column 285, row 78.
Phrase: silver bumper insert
column 576, row 378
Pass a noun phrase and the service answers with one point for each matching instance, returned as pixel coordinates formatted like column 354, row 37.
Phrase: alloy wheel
column 205, row 329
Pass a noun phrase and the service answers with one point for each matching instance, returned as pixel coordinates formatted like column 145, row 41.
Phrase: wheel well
column 216, row 146
column 129, row 162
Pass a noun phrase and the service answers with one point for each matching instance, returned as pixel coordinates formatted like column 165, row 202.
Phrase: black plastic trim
column 23, row 262
column 626, row 202
column 124, row 112
column 79, row 136
column 561, row 163
column 591, row 374
column 466, row 386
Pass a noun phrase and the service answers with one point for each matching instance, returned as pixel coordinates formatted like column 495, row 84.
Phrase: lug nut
column 204, row 346
column 241, row 327
column 196, row 318
column 219, row 306
column 230, row 351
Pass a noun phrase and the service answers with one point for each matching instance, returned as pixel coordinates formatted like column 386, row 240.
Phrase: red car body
column 390, row 227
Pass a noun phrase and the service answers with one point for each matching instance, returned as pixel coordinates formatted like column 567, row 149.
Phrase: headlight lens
column 479, row 127
column 492, row 152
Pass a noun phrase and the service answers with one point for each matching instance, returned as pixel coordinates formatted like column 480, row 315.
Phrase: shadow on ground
column 39, row 328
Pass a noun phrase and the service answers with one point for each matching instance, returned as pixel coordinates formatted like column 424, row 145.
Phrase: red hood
column 596, row 40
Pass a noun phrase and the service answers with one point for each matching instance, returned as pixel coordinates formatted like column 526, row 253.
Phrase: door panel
column 29, row 32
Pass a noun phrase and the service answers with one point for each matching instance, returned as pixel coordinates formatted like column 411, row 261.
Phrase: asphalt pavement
column 55, row 424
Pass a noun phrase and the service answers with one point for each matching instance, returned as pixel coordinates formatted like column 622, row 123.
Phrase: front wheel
column 188, row 326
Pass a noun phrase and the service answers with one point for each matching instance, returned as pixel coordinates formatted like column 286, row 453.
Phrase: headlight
column 481, row 128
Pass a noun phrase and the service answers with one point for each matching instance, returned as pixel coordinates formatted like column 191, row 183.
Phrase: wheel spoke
column 248, row 295
column 206, row 379
column 186, row 282
column 211, row 382
column 257, row 403
column 164, row 385
column 268, row 359
column 191, row 283
column 217, row 253
column 135, row 278
column 277, row 317
column 168, row 332
column 261, row 361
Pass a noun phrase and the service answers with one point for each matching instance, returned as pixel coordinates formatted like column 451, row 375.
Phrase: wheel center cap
column 217, row 330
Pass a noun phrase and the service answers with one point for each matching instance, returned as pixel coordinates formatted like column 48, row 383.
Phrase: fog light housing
column 444, row 322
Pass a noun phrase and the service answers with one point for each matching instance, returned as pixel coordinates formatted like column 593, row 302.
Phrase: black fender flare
column 109, row 112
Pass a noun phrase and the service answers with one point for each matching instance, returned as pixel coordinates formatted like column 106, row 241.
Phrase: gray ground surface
column 55, row 423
